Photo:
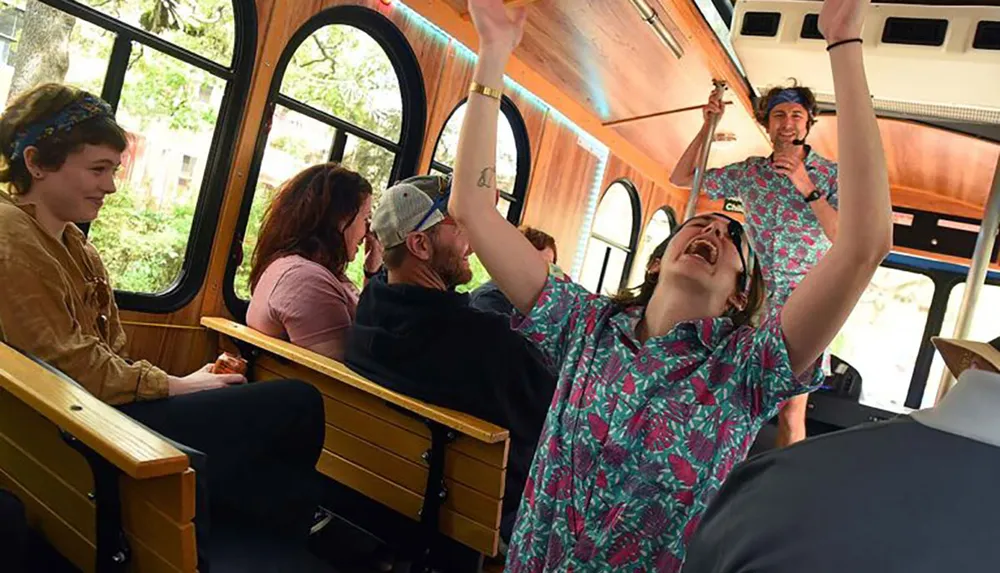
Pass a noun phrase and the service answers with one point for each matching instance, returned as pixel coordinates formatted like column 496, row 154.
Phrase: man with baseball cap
column 918, row 493
column 790, row 201
column 415, row 335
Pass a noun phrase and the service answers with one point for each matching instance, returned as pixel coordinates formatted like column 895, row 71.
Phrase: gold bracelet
column 480, row 89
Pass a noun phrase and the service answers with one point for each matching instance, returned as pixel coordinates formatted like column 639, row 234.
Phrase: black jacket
column 432, row 345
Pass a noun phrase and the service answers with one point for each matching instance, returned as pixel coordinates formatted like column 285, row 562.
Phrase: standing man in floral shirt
column 790, row 202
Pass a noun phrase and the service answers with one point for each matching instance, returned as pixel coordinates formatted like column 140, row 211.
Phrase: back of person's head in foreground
column 61, row 147
column 321, row 214
column 707, row 256
column 423, row 245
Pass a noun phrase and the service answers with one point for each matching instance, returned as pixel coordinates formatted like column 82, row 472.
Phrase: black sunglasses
column 738, row 235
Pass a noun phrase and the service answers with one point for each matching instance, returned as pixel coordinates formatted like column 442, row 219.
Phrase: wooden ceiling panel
column 926, row 162
column 608, row 59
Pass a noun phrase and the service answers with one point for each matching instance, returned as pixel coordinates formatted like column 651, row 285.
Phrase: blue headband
column 787, row 96
column 73, row 114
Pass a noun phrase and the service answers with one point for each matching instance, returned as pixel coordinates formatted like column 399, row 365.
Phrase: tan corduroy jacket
column 56, row 303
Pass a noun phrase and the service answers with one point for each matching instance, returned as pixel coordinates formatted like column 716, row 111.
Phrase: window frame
column 671, row 217
column 630, row 250
column 522, row 143
column 218, row 163
column 945, row 277
column 404, row 61
column 671, row 220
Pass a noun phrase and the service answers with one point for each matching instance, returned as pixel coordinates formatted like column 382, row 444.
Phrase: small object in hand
column 229, row 364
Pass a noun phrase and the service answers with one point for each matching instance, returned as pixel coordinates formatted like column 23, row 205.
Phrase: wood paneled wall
column 563, row 173
column 562, row 170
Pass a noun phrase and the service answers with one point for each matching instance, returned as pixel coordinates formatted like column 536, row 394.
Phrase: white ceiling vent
column 940, row 62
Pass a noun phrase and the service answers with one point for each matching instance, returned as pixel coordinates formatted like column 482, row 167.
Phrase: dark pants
column 261, row 442
column 13, row 533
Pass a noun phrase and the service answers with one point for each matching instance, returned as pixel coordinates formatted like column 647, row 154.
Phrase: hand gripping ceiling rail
column 934, row 62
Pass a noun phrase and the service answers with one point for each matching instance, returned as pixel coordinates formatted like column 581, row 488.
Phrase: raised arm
column 507, row 255
column 818, row 308
column 683, row 173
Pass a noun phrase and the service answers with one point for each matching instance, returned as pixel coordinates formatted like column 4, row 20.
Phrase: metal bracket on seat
column 435, row 493
column 112, row 548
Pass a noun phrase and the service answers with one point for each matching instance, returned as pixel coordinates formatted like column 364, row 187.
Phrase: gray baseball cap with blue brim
column 411, row 205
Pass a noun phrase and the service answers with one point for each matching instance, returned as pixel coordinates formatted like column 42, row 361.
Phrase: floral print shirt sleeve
column 724, row 182
column 767, row 379
column 555, row 319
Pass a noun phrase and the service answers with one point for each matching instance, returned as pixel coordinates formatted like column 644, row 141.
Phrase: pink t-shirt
column 303, row 302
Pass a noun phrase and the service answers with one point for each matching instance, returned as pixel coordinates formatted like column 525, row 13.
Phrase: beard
column 451, row 266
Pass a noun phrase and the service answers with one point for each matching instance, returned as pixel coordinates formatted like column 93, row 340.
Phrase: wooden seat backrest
column 55, row 482
column 376, row 441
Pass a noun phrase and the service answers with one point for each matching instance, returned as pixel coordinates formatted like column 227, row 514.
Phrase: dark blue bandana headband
column 73, row 114
column 786, row 96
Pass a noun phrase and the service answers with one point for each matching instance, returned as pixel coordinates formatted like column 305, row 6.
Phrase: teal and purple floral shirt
column 639, row 437
column 786, row 235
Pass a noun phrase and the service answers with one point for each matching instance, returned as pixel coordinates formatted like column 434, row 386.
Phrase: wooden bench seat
column 378, row 441
column 41, row 413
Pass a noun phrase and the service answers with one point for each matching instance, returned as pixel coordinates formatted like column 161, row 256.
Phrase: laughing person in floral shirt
column 790, row 200
column 659, row 396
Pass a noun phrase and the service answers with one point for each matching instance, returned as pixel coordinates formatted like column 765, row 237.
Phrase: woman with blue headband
column 661, row 393
column 60, row 148
column 790, row 201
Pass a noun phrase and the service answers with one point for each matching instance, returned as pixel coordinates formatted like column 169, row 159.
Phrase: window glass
column 344, row 72
column 883, row 334
column 614, row 216
column 611, row 241
column 598, row 252
column 985, row 328
column 204, row 27
column 142, row 232
column 33, row 60
column 371, row 161
column 657, row 230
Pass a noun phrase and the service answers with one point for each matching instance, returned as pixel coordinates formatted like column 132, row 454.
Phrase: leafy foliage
column 142, row 246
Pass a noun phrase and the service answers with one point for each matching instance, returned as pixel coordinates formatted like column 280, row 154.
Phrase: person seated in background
column 490, row 297
column 311, row 231
column 415, row 335
column 60, row 149
column 911, row 494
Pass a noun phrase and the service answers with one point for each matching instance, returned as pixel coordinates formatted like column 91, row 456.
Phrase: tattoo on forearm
column 487, row 177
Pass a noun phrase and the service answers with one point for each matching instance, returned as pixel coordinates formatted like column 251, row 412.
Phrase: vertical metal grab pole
column 706, row 147
column 977, row 271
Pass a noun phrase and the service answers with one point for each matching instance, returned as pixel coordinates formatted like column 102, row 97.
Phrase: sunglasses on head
column 438, row 186
column 439, row 204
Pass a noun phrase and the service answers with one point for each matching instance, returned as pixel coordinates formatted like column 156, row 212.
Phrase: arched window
column 513, row 156
column 177, row 74
column 613, row 238
column 347, row 89
column 658, row 229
